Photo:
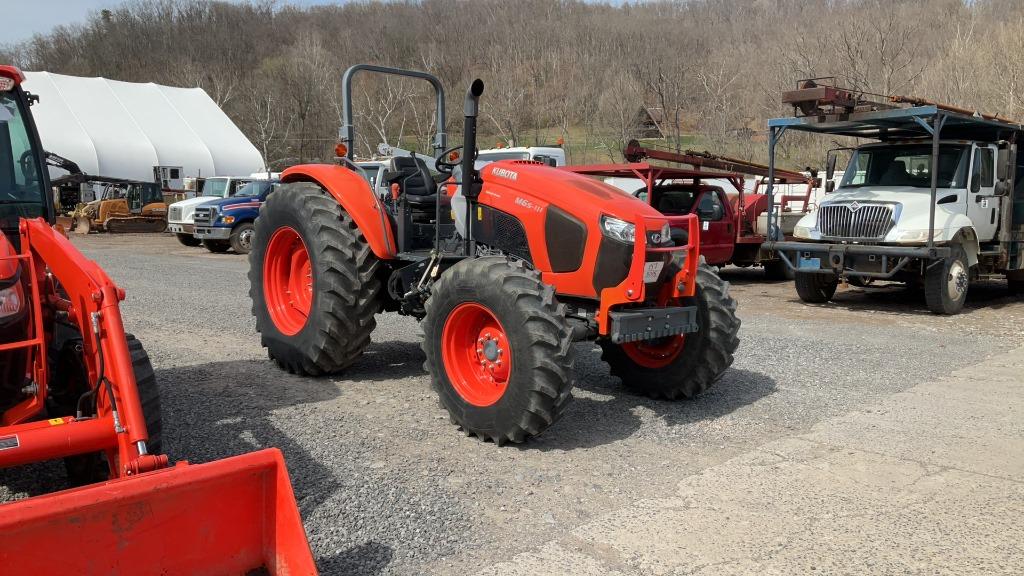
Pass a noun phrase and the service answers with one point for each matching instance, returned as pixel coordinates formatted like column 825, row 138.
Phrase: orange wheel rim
column 476, row 353
column 657, row 353
column 288, row 281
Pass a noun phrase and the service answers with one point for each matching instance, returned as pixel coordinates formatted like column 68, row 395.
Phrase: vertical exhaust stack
column 470, row 186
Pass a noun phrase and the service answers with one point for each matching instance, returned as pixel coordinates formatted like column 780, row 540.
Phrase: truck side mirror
column 1003, row 163
column 830, row 186
column 830, row 166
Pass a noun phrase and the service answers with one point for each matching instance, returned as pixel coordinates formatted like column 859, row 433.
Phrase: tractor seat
column 414, row 180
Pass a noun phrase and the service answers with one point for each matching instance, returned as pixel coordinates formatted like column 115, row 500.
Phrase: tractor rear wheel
column 499, row 349
column 815, row 288
column 188, row 240
column 313, row 282
column 683, row 366
column 91, row 468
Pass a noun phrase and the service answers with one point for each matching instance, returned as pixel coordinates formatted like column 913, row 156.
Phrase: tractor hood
column 585, row 197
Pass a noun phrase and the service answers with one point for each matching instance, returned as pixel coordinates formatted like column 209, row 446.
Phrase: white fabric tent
column 122, row 129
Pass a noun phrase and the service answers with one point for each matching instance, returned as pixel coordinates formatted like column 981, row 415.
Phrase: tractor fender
column 355, row 196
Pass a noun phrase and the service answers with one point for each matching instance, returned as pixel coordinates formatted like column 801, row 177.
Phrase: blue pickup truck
column 227, row 224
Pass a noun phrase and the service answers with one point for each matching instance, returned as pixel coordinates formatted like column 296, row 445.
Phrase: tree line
column 554, row 69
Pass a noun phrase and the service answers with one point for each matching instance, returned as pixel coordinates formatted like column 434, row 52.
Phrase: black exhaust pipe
column 470, row 181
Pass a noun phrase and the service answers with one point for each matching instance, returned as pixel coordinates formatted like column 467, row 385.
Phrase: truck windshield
column 215, row 187
column 21, row 188
column 906, row 165
column 253, row 189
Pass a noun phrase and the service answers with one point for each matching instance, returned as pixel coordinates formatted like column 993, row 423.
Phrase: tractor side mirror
column 830, row 166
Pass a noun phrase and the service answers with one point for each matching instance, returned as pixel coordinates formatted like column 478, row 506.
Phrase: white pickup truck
column 181, row 215
column 550, row 155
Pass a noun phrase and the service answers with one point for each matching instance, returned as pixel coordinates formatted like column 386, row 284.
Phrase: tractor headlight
column 618, row 229
column 11, row 300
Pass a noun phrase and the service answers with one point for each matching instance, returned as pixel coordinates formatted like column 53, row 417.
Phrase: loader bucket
column 235, row 516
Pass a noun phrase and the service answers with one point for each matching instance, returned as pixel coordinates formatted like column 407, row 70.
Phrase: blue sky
column 40, row 16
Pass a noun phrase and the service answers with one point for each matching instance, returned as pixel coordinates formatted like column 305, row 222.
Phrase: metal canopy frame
column 922, row 123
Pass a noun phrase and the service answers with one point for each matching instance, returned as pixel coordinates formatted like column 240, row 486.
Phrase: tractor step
column 228, row 517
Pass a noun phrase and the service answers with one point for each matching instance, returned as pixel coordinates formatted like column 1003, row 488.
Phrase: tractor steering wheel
column 25, row 163
column 442, row 165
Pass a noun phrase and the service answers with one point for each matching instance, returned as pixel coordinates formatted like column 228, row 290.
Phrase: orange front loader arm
column 62, row 280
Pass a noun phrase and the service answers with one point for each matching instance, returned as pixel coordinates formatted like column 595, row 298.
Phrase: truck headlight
column 618, row 229
column 11, row 300
column 917, row 235
column 801, row 232
column 228, row 219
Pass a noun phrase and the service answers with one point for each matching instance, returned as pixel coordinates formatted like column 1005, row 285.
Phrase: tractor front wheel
column 683, row 366
column 313, row 282
column 92, row 468
column 499, row 349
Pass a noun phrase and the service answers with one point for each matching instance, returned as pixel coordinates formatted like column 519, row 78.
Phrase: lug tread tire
column 815, row 288
column 346, row 287
column 935, row 279
column 91, row 468
column 705, row 356
column 543, row 345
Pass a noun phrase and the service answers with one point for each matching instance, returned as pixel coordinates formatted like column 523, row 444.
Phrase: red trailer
column 734, row 222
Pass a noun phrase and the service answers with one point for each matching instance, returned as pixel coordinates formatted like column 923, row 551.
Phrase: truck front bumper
column 212, row 233
column 180, row 228
column 858, row 260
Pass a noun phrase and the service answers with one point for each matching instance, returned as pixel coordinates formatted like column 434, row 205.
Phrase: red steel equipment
column 74, row 386
column 507, row 265
column 733, row 222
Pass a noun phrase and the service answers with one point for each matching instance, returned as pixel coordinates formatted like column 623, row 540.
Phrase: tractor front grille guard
column 633, row 289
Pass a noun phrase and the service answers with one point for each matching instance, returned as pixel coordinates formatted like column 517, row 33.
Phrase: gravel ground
column 387, row 486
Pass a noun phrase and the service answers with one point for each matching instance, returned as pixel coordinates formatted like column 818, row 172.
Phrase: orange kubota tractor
column 507, row 265
column 74, row 386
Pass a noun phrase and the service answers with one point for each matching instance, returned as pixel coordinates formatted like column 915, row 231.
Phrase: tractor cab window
column 21, row 188
column 710, row 207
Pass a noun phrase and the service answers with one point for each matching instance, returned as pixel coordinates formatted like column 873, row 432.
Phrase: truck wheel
column 946, row 283
column 777, row 270
column 241, row 238
column 499, row 349
column 815, row 288
column 682, row 366
column 217, row 246
column 188, row 240
column 313, row 282
column 91, row 468
column 1015, row 282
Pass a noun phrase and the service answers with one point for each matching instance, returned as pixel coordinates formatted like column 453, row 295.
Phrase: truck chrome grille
column 855, row 220
column 205, row 216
